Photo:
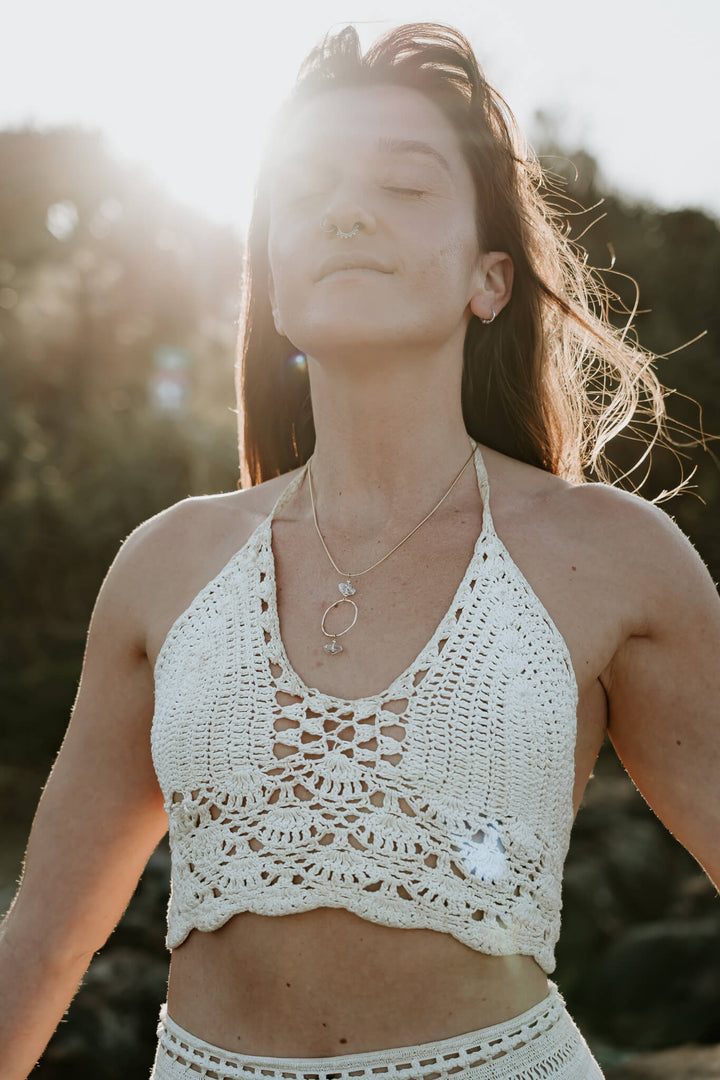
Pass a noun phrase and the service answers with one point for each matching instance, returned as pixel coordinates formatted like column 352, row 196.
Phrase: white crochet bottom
column 543, row 1042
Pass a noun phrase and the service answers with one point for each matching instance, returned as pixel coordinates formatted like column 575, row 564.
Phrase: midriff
column 326, row 982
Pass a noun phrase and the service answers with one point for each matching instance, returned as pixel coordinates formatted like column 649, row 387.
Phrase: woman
column 366, row 864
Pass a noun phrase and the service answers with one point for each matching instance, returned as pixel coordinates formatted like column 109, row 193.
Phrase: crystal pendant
column 346, row 588
column 333, row 647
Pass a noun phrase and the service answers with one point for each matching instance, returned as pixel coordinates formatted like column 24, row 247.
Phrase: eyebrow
column 412, row 146
column 389, row 145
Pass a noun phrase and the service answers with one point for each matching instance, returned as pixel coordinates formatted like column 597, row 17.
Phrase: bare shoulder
column 589, row 504
column 653, row 557
column 170, row 557
column 202, row 516
column 597, row 506
column 626, row 548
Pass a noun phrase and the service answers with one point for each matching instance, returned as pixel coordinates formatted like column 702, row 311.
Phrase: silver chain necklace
column 347, row 590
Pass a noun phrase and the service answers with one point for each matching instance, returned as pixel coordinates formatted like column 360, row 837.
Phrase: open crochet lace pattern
column 444, row 802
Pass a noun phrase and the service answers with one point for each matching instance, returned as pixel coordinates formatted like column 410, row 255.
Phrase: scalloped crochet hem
column 543, row 1042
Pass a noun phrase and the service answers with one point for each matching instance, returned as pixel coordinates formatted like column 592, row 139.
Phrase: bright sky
column 177, row 86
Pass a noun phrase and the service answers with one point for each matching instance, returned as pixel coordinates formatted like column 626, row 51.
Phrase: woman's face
column 355, row 155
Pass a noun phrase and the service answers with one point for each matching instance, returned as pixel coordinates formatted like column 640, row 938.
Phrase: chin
column 347, row 334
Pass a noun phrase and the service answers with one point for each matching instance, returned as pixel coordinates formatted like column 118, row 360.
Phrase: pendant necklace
column 346, row 587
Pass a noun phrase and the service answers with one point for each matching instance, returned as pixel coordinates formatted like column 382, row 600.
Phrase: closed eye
column 405, row 191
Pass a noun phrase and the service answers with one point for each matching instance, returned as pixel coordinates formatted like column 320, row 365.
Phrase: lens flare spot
column 483, row 852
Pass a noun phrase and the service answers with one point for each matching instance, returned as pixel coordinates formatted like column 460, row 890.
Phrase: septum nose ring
column 343, row 235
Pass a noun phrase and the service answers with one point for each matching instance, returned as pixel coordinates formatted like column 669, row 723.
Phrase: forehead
column 370, row 119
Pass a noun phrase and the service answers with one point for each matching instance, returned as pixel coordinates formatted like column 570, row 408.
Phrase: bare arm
column 664, row 686
column 98, row 820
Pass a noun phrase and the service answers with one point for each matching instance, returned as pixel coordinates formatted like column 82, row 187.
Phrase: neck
column 390, row 439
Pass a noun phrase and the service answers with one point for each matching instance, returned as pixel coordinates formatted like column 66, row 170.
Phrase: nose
column 346, row 207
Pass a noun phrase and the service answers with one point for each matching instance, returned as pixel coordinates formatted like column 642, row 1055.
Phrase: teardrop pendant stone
column 346, row 588
column 333, row 647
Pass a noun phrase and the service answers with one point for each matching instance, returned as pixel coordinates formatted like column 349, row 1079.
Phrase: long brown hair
column 549, row 383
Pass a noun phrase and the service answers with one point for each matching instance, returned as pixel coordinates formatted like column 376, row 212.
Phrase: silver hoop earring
column 486, row 322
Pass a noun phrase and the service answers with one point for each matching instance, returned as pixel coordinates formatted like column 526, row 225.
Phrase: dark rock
column 658, row 986
column 110, row 1033
column 682, row 1063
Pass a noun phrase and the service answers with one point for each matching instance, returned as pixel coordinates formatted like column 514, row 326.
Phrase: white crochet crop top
column 281, row 798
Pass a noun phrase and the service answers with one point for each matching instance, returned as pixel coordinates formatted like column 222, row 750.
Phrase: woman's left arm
column 663, row 686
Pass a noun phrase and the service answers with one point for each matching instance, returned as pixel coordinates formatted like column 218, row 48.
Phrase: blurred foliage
column 98, row 270
column 663, row 266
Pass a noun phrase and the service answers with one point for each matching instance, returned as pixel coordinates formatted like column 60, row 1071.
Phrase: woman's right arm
column 98, row 820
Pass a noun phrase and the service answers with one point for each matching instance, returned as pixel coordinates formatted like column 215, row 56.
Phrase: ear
column 493, row 284
column 273, row 304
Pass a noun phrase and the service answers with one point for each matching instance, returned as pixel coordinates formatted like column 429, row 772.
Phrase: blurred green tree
column 98, row 270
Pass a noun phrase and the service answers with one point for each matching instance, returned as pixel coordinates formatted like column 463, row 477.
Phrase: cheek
column 282, row 262
column 448, row 266
column 278, row 242
column 275, row 251
column 289, row 242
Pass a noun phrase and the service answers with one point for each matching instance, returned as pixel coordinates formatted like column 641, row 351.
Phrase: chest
column 389, row 619
column 480, row 721
column 401, row 603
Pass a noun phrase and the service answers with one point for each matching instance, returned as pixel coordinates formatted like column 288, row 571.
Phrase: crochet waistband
column 541, row 1043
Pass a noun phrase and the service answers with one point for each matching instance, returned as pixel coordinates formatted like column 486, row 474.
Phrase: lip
column 351, row 262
